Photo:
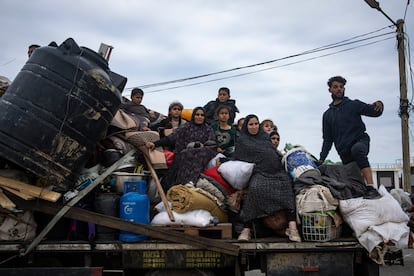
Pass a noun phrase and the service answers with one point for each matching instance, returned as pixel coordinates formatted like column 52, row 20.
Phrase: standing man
column 342, row 125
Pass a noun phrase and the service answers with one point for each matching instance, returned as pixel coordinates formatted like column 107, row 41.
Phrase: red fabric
column 169, row 157
column 213, row 173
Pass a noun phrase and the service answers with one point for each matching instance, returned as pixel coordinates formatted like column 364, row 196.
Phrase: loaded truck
column 181, row 250
column 53, row 114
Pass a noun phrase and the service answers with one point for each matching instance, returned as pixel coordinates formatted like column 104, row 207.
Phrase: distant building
column 388, row 175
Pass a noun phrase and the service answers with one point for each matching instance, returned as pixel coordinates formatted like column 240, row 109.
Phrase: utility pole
column 404, row 105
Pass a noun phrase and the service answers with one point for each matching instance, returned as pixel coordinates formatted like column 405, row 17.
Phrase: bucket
column 107, row 204
column 297, row 162
column 118, row 178
column 135, row 207
column 56, row 110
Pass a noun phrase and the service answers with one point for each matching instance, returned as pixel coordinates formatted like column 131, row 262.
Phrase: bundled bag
column 236, row 173
column 298, row 161
column 124, row 123
column 18, row 227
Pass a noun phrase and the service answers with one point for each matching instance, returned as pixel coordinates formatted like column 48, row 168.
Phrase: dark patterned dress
column 189, row 160
column 270, row 187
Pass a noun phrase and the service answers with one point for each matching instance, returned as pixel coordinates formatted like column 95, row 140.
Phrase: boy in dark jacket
column 223, row 98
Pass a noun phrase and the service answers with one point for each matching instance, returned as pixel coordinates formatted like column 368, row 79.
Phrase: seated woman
column 172, row 122
column 194, row 146
column 225, row 132
column 270, row 188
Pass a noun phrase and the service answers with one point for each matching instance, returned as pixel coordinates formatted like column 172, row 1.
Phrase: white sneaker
column 244, row 235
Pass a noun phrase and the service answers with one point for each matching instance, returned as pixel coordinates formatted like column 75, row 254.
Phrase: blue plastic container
column 134, row 206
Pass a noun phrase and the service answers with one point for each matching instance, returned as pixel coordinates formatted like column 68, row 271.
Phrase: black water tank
column 56, row 110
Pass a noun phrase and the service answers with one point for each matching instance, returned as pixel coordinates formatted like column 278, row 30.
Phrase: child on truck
column 225, row 132
column 223, row 98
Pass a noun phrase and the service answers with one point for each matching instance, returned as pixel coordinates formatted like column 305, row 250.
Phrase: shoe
column 244, row 235
column 371, row 193
column 293, row 235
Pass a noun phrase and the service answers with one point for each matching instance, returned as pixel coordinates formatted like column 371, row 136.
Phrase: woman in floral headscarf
column 194, row 146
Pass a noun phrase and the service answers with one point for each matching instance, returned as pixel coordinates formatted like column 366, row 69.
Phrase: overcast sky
column 163, row 40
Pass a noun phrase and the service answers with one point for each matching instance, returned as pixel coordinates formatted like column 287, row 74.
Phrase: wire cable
column 269, row 68
column 318, row 49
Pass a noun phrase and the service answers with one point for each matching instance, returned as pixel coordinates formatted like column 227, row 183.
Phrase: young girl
column 225, row 133
column 268, row 126
column 172, row 122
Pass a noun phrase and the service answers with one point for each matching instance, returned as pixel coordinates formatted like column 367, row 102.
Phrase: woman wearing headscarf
column 270, row 188
column 194, row 146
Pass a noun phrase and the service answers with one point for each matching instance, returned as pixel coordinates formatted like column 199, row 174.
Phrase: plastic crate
column 319, row 227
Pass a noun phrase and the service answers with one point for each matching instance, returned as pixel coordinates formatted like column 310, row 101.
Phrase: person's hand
column 378, row 106
column 150, row 145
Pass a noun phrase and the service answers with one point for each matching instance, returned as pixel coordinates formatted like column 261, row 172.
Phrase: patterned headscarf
column 194, row 112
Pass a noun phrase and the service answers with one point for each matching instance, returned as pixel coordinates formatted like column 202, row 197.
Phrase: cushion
column 236, row 173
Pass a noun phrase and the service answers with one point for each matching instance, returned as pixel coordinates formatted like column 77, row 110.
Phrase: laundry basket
column 319, row 226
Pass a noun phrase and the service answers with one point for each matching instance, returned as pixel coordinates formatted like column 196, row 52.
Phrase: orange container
column 186, row 114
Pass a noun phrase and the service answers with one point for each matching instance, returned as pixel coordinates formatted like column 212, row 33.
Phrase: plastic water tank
column 56, row 110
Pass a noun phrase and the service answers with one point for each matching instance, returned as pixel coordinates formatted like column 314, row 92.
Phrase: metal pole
column 404, row 108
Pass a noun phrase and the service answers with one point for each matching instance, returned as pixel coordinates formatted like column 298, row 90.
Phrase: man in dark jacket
column 342, row 126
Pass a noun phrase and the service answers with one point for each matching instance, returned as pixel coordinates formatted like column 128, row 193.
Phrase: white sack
column 212, row 162
column 200, row 218
column 389, row 231
column 236, row 173
column 362, row 213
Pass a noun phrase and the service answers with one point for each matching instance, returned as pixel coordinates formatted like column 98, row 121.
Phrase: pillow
column 236, row 173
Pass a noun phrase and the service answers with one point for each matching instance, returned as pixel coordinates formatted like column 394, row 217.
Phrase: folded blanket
column 184, row 199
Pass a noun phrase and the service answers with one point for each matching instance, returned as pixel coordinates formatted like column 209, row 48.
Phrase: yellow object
column 186, row 114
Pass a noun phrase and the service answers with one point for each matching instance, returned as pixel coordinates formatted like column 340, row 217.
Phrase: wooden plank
column 154, row 175
column 75, row 200
column 29, row 189
column 223, row 229
column 5, row 202
column 117, row 223
column 19, row 194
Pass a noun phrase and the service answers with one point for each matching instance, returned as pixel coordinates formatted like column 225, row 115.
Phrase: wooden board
column 221, row 230
column 5, row 202
column 117, row 223
column 28, row 189
column 19, row 194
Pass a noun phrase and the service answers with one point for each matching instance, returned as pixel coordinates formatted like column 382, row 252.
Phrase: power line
column 269, row 68
column 318, row 49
